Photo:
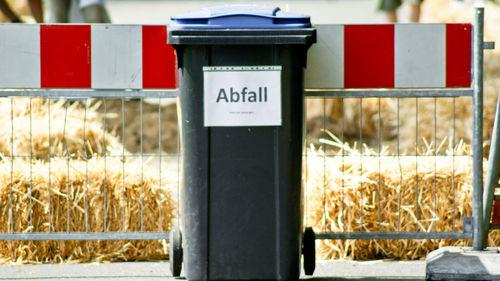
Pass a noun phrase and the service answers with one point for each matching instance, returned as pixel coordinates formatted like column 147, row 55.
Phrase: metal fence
column 117, row 110
column 370, row 134
column 93, row 148
column 473, row 226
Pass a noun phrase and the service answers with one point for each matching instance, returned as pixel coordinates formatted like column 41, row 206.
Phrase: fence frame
column 476, row 92
column 84, row 94
column 408, row 93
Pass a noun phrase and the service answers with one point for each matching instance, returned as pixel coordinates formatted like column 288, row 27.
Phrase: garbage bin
column 242, row 105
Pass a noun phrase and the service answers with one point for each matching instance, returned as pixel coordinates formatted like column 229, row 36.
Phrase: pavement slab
column 459, row 263
column 159, row 270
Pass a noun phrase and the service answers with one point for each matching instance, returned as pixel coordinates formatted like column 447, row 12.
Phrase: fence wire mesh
column 388, row 168
column 107, row 168
column 89, row 168
column 109, row 133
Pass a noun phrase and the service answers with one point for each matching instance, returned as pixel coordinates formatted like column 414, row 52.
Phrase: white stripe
column 116, row 56
column 420, row 55
column 325, row 60
column 19, row 56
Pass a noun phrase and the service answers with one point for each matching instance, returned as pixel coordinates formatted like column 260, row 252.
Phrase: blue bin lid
column 240, row 17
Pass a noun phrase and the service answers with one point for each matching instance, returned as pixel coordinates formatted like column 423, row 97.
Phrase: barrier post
column 477, row 141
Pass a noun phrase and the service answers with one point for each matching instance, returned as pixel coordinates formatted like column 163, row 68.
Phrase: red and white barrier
column 138, row 57
column 390, row 56
column 86, row 56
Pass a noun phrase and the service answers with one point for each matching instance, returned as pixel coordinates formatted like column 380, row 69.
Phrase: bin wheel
column 175, row 251
column 309, row 250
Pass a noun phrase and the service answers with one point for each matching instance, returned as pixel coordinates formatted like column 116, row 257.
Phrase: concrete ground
column 132, row 271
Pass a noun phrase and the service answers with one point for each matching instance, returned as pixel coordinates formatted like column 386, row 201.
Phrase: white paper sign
column 240, row 96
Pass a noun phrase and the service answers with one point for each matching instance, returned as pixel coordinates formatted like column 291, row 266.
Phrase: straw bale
column 68, row 125
column 21, row 8
column 348, row 193
column 434, row 119
column 151, row 115
column 335, row 114
column 97, row 178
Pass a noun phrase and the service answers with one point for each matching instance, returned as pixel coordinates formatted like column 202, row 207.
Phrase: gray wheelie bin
column 241, row 118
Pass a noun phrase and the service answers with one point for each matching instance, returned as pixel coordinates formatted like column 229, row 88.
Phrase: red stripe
column 65, row 56
column 496, row 213
column 458, row 55
column 159, row 65
column 369, row 56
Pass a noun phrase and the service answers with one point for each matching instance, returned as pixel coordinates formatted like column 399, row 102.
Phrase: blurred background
column 159, row 11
